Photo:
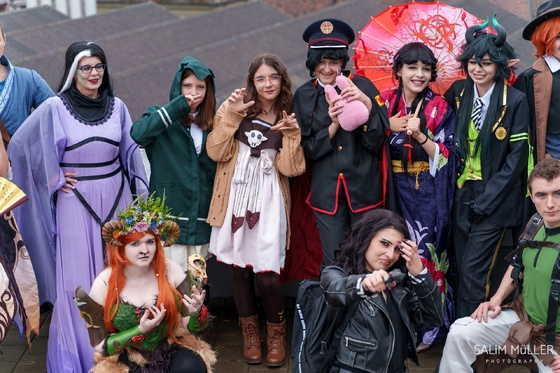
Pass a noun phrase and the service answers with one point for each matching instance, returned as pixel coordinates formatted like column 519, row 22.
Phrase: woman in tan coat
column 256, row 143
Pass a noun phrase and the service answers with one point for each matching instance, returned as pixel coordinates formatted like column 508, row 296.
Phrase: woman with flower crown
column 75, row 160
column 142, row 310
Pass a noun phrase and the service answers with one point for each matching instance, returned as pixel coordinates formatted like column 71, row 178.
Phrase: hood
column 199, row 70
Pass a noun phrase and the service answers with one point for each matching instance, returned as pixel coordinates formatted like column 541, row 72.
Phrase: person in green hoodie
column 174, row 137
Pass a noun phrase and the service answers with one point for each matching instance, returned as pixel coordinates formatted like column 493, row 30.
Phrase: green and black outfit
column 185, row 177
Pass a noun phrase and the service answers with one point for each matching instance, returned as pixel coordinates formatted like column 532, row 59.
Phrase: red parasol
column 441, row 27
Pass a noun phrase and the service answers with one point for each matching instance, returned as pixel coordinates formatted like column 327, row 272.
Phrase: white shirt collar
column 486, row 97
column 553, row 63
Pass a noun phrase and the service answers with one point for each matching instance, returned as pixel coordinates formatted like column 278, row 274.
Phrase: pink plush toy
column 355, row 113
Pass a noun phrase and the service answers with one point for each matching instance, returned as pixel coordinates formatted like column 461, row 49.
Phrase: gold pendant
column 500, row 133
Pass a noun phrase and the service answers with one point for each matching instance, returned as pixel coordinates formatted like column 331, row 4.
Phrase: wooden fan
column 11, row 196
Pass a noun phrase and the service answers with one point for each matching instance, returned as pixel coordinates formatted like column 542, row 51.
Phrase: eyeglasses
column 273, row 79
column 86, row 69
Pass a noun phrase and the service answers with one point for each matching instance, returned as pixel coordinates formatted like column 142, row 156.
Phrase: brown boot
column 252, row 352
column 276, row 343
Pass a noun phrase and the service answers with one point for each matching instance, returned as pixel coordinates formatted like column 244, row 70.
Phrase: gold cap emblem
column 327, row 27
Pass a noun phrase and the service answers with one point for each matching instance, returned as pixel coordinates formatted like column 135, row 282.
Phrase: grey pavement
column 224, row 335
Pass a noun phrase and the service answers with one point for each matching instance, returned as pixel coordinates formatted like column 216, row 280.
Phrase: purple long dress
column 63, row 231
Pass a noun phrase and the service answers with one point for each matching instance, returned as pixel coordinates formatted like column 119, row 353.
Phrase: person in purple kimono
column 76, row 161
column 424, row 167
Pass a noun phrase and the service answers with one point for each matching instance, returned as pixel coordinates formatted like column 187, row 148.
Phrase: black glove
column 475, row 213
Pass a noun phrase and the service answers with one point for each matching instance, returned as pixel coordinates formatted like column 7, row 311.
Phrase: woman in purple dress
column 76, row 162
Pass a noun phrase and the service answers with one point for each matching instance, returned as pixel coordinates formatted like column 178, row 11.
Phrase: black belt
column 89, row 165
column 113, row 208
column 99, row 177
column 91, row 139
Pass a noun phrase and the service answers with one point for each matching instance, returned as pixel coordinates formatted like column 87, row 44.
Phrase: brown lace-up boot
column 276, row 343
column 252, row 352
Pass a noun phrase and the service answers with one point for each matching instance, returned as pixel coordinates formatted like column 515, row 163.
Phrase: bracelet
column 118, row 341
column 425, row 141
column 198, row 321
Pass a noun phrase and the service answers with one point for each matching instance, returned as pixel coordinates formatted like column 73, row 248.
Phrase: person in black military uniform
column 493, row 144
column 350, row 168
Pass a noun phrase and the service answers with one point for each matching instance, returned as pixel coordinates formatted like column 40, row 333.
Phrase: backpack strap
column 330, row 351
column 525, row 239
column 553, row 304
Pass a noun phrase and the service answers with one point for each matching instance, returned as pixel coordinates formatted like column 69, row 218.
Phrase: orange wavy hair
column 167, row 294
column 544, row 37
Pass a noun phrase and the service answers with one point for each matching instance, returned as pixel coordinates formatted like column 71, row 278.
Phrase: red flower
column 138, row 338
column 430, row 265
column 438, row 276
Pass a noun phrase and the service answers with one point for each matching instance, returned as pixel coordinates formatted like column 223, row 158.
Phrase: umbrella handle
column 410, row 147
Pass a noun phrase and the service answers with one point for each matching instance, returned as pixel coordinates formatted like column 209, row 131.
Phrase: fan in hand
column 11, row 196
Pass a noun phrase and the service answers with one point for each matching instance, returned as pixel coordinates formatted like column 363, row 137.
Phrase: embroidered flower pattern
column 437, row 268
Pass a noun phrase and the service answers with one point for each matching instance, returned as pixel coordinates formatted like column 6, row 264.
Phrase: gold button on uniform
column 365, row 128
column 341, row 174
column 339, row 147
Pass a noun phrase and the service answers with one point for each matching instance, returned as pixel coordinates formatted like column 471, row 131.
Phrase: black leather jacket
column 367, row 343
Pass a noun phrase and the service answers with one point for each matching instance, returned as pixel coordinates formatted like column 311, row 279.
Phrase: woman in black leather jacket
column 381, row 334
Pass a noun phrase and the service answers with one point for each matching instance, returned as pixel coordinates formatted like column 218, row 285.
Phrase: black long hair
column 351, row 257
column 409, row 54
column 70, row 65
column 478, row 44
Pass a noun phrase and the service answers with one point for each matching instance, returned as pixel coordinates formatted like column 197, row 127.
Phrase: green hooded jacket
column 176, row 170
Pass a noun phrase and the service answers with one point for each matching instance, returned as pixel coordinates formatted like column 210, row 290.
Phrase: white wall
column 73, row 8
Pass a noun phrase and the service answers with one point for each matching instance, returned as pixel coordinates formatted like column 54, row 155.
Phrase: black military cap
column 328, row 33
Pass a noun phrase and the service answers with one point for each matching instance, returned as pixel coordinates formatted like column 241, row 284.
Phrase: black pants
column 476, row 249
column 333, row 228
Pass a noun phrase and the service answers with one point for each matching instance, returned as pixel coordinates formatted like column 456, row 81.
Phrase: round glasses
column 87, row 69
column 273, row 79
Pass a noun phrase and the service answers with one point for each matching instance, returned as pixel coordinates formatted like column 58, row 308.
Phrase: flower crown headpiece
column 142, row 216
